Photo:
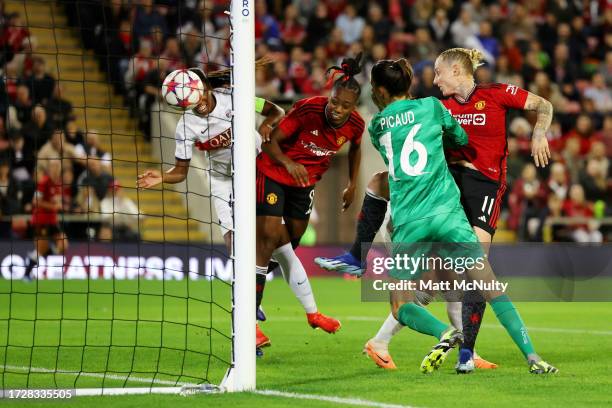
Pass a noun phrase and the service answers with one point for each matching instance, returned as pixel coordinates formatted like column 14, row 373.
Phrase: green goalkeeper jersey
column 411, row 136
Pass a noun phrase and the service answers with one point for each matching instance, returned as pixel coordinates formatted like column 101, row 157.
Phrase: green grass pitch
column 576, row 337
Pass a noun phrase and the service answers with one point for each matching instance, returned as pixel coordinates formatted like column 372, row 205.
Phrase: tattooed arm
column 539, row 144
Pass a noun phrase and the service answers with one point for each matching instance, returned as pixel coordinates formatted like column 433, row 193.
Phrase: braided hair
column 349, row 67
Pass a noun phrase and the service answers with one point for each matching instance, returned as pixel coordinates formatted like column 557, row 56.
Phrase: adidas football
column 182, row 89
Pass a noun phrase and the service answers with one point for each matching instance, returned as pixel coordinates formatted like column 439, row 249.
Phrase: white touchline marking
column 488, row 326
column 274, row 393
column 336, row 400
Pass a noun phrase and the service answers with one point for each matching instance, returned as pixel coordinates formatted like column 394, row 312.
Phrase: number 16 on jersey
column 410, row 145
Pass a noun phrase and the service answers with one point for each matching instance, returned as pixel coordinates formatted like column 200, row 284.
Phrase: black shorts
column 279, row 200
column 47, row 230
column 481, row 197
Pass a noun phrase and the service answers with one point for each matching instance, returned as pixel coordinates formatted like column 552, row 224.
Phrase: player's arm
column 184, row 146
column 452, row 133
column 273, row 114
column 272, row 149
column 539, row 144
column 354, row 161
column 176, row 174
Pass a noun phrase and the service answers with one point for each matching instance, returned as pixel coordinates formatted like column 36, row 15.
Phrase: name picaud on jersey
column 399, row 119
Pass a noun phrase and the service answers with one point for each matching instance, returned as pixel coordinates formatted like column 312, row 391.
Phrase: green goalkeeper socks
column 419, row 319
column 508, row 316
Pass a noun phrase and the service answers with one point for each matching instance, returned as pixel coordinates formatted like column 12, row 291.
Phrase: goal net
column 107, row 288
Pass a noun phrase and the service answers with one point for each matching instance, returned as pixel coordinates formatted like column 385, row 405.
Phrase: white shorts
column 221, row 195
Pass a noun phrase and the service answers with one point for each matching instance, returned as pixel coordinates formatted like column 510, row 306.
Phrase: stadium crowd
column 38, row 129
column 560, row 50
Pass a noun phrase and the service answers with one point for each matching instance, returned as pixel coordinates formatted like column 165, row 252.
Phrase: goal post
column 241, row 375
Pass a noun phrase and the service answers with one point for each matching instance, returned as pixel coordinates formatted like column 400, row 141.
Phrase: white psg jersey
column 212, row 133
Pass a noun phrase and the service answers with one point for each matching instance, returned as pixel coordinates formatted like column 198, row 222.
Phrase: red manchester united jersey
column 48, row 191
column 311, row 140
column 483, row 117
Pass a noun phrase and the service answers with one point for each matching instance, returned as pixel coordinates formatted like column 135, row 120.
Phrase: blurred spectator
column 22, row 158
column 526, row 201
column 318, row 27
column 577, row 206
column 37, row 131
column 14, row 33
column 73, row 134
column 11, row 80
column 593, row 180
column 571, row 158
column 172, row 55
column 191, row 47
column 121, row 213
column 511, row 50
column 440, row 27
column 56, row 149
column 558, row 184
column 292, row 30
column 543, row 87
column 381, row 25
column 139, row 66
column 583, row 132
column 423, row 49
column 336, row 47
column 515, row 162
column 58, row 108
column 92, row 148
column 266, row 84
column 599, row 93
column 425, row 85
column 562, row 69
column 267, row 27
column 350, row 24
column 9, row 202
column 488, row 42
column 146, row 18
column 95, row 176
column 41, row 84
column 20, row 112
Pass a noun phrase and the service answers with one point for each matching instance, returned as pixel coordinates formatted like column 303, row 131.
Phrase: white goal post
column 241, row 375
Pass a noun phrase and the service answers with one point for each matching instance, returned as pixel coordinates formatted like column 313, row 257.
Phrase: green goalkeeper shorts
column 449, row 237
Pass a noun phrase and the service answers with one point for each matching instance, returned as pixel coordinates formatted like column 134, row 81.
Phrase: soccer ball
column 182, row 89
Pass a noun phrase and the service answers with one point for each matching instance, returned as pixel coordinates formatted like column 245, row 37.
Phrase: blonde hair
column 470, row 59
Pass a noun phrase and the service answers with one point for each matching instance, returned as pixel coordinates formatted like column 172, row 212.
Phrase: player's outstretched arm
column 539, row 144
column 176, row 174
column 354, row 161
column 273, row 114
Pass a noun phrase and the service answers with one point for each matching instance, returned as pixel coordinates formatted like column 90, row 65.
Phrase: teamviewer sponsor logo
column 476, row 119
column 480, row 119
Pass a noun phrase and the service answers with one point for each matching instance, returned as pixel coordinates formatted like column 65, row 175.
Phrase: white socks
column 295, row 275
column 453, row 309
column 389, row 329
column 391, row 326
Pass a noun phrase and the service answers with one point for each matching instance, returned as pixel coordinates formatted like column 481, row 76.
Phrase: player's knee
column 379, row 184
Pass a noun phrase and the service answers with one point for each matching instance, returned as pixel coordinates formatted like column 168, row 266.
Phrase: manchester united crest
column 340, row 141
column 480, row 105
column 271, row 198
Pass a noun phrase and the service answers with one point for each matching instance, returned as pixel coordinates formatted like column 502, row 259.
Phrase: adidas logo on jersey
column 314, row 132
column 482, row 218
